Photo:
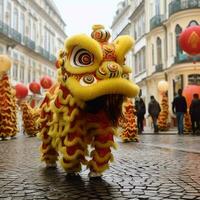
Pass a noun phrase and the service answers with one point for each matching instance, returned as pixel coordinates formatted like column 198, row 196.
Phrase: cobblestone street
column 158, row 167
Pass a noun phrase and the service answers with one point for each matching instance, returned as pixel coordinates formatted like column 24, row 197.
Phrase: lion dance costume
column 84, row 106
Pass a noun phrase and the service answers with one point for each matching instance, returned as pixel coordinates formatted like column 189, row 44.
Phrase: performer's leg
column 73, row 151
column 101, row 155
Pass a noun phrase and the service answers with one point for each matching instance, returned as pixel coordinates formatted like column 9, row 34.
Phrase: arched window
column 15, row 20
column 194, row 79
column 178, row 31
column 193, row 23
column 159, row 51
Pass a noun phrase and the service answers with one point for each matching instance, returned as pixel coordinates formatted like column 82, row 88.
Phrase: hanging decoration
column 5, row 64
column 21, row 91
column 163, row 86
column 46, row 82
column 34, row 87
column 189, row 40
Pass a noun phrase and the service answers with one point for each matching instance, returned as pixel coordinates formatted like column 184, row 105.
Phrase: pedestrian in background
column 195, row 113
column 179, row 108
column 154, row 111
column 140, row 112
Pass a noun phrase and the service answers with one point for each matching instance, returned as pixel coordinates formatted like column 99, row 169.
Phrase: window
column 22, row 24
column 159, row 51
column 136, row 64
column 143, row 59
column 139, row 27
column 193, row 23
column 15, row 20
column 29, row 27
column 8, row 14
column 29, row 70
column 157, row 7
column 22, row 68
column 177, row 84
column 178, row 31
column 49, row 43
column 34, row 71
column 29, row 74
column 22, row 73
column 194, row 79
column 140, row 61
column 1, row 10
column 34, row 32
column 152, row 51
column 171, row 44
column 15, row 71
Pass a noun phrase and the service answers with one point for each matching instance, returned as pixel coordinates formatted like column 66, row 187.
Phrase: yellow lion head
column 91, row 67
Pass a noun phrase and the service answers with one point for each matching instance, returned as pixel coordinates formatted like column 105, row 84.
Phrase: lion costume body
column 84, row 106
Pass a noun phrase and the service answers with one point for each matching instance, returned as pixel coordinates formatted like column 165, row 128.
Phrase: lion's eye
column 81, row 57
column 126, row 76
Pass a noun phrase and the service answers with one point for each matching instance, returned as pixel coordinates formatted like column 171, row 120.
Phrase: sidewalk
column 150, row 131
column 172, row 141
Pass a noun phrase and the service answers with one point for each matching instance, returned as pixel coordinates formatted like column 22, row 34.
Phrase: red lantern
column 189, row 40
column 46, row 82
column 21, row 91
column 34, row 87
column 188, row 92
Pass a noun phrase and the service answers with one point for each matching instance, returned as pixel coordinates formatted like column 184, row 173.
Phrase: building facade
column 31, row 33
column 163, row 60
column 121, row 23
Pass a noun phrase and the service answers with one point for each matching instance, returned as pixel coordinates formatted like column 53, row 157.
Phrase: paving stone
column 188, row 197
column 140, row 171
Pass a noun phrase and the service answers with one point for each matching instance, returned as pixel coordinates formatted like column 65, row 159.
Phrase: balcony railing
column 10, row 32
column 39, row 49
column 159, row 68
column 156, row 21
column 52, row 58
column 29, row 43
column 45, row 54
column 182, row 58
column 179, row 5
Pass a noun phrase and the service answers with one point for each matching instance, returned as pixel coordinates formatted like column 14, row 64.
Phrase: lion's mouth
column 111, row 104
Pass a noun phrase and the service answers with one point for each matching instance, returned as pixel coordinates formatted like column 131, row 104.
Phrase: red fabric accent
column 57, row 103
column 103, row 151
column 71, row 150
column 104, row 138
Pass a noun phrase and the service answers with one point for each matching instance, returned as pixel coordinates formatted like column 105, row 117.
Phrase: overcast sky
column 80, row 15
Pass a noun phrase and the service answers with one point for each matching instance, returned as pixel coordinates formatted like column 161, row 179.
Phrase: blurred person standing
column 140, row 112
column 195, row 113
column 179, row 107
column 154, row 111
